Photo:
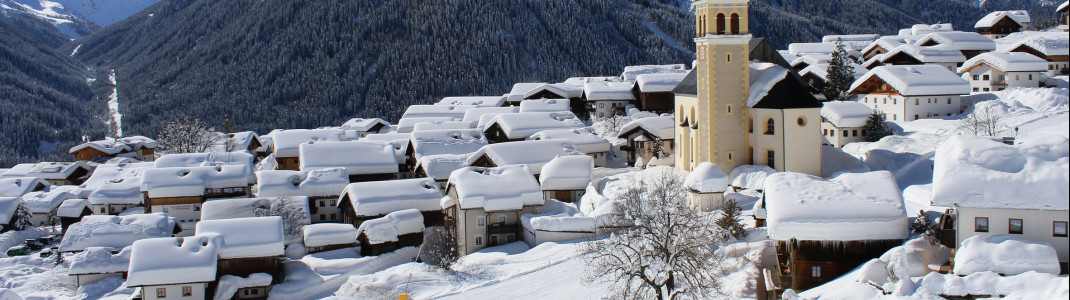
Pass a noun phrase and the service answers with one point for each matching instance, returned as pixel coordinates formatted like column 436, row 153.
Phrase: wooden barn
column 399, row 229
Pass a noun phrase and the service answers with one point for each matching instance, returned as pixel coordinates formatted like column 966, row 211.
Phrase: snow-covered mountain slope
column 76, row 18
column 53, row 13
column 102, row 12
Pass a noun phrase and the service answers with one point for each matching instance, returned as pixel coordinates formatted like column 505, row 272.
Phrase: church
column 742, row 104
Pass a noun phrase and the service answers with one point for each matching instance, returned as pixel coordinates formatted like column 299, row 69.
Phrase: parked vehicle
column 46, row 253
column 34, row 245
column 18, row 250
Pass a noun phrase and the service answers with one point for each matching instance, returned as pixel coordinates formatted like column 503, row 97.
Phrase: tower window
column 735, row 23
column 720, row 23
column 729, row 57
column 769, row 127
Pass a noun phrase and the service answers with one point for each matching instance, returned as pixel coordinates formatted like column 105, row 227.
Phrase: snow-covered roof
column 234, row 208
column 287, row 142
column 923, row 29
column 632, row 72
column 125, row 190
column 323, row 234
column 927, row 54
column 246, row 237
column 557, row 216
column 435, row 125
column 584, row 138
column 106, row 173
column 8, row 205
column 1007, row 62
column 407, row 125
column 18, row 170
column 185, row 182
column 1047, row 43
column 109, row 146
column 45, row 202
column 523, row 125
column 810, row 59
column 494, row 189
column 821, row 70
column 173, row 260
column 845, row 114
column 427, row 111
column 571, row 172
column 1018, row 16
column 326, row 182
column 662, row 126
column 914, row 80
column 1005, row 254
column 978, row 172
column 763, row 76
column 561, row 89
column 364, row 124
column 788, row 57
column 57, row 170
column 72, row 208
column 357, row 157
column 597, row 91
column 662, row 82
column 534, row 154
column 376, row 198
column 799, row 49
column 115, row 232
column 446, row 141
column 960, row 40
column 473, row 115
column 851, row 206
column 852, row 41
column 389, row 227
column 1063, row 7
column 440, row 166
column 889, row 42
column 237, row 158
column 479, row 101
column 544, row 105
column 707, row 178
column 99, row 260
column 137, row 142
column 18, row 186
column 519, row 90
column 399, row 140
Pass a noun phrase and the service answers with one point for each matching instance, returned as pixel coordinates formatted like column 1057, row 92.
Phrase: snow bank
column 1038, row 99
column 560, row 223
column 851, row 206
column 315, row 276
column 327, row 182
column 495, row 189
column 446, row 141
column 357, row 158
column 318, row 235
column 567, row 173
column 246, row 237
column 173, row 260
column 1030, row 285
column 18, row 186
column 846, row 113
column 707, row 178
column 98, row 260
column 376, row 198
column 978, row 172
column 917, row 80
column 229, row 284
column 1005, row 254
column 115, row 232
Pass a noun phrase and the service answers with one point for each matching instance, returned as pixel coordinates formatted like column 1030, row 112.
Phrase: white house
column 322, row 188
column 117, row 195
column 706, row 185
column 996, row 71
column 643, row 135
column 1053, row 47
column 362, row 160
column 607, row 99
column 363, row 201
column 61, row 173
column 179, row 192
column 328, row 236
column 483, row 205
column 907, row 93
column 18, row 186
column 844, row 122
column 566, row 178
column 174, row 268
column 585, row 139
column 43, row 206
column 96, row 263
column 249, row 246
column 992, row 188
column 999, row 24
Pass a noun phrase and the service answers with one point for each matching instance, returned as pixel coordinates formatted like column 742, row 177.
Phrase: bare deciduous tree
column 185, row 134
column 293, row 215
column 667, row 253
column 984, row 120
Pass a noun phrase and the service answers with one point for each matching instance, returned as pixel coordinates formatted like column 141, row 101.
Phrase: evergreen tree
column 840, row 74
column 876, row 127
column 729, row 221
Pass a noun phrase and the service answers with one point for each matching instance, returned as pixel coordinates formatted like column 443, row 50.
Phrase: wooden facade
column 802, row 265
column 367, row 248
column 150, row 202
column 372, row 177
column 656, row 102
column 67, row 221
column 1002, row 27
column 288, row 163
column 495, row 134
column 330, row 247
column 431, row 217
column 89, row 153
column 246, row 266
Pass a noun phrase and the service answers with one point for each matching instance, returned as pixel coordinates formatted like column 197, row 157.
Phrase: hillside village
column 930, row 162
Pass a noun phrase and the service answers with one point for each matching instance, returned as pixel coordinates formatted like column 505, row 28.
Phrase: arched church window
column 769, row 127
column 735, row 23
column 720, row 23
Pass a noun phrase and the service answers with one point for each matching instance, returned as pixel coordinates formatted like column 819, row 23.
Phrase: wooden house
column 518, row 127
column 114, row 196
column 1053, row 47
column 249, row 246
column 969, row 43
column 399, row 229
column 654, row 91
column 364, row 201
column 62, row 173
column 71, row 211
column 907, row 93
column 179, row 192
column 1064, row 10
column 884, row 45
column 533, row 154
column 585, row 139
column 996, row 71
column 477, row 114
column 566, row 178
column 643, row 136
column 174, row 268
column 401, row 148
column 138, row 147
column 571, row 92
column 519, row 92
column 116, row 232
column 823, row 229
column 287, row 143
column 910, row 54
column 817, row 77
column 364, row 126
column 328, row 236
column 484, row 205
column 363, row 160
column 442, row 142
column 322, row 188
column 844, row 122
column 96, row 263
column 999, row 24
column 9, row 212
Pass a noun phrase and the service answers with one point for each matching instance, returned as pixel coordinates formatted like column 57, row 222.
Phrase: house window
column 845, row 133
column 728, row 57
column 948, row 100
column 481, row 221
column 769, row 126
column 801, row 121
column 915, row 101
column 479, row 240
column 501, row 220
column 334, row 216
column 1014, row 226
column 1058, row 229
column 493, row 240
column 601, row 105
column 985, row 77
column 323, row 216
column 976, row 89
column 334, row 202
column 770, row 157
column 980, row 224
column 103, row 210
column 815, row 271
column 915, row 117
column 854, row 132
column 976, row 77
column 161, row 292
column 187, row 291
column 1030, row 76
column 825, row 132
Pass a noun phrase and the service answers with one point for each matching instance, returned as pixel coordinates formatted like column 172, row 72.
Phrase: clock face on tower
column 701, row 52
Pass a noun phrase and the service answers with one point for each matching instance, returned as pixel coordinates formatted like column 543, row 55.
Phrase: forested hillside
column 43, row 95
